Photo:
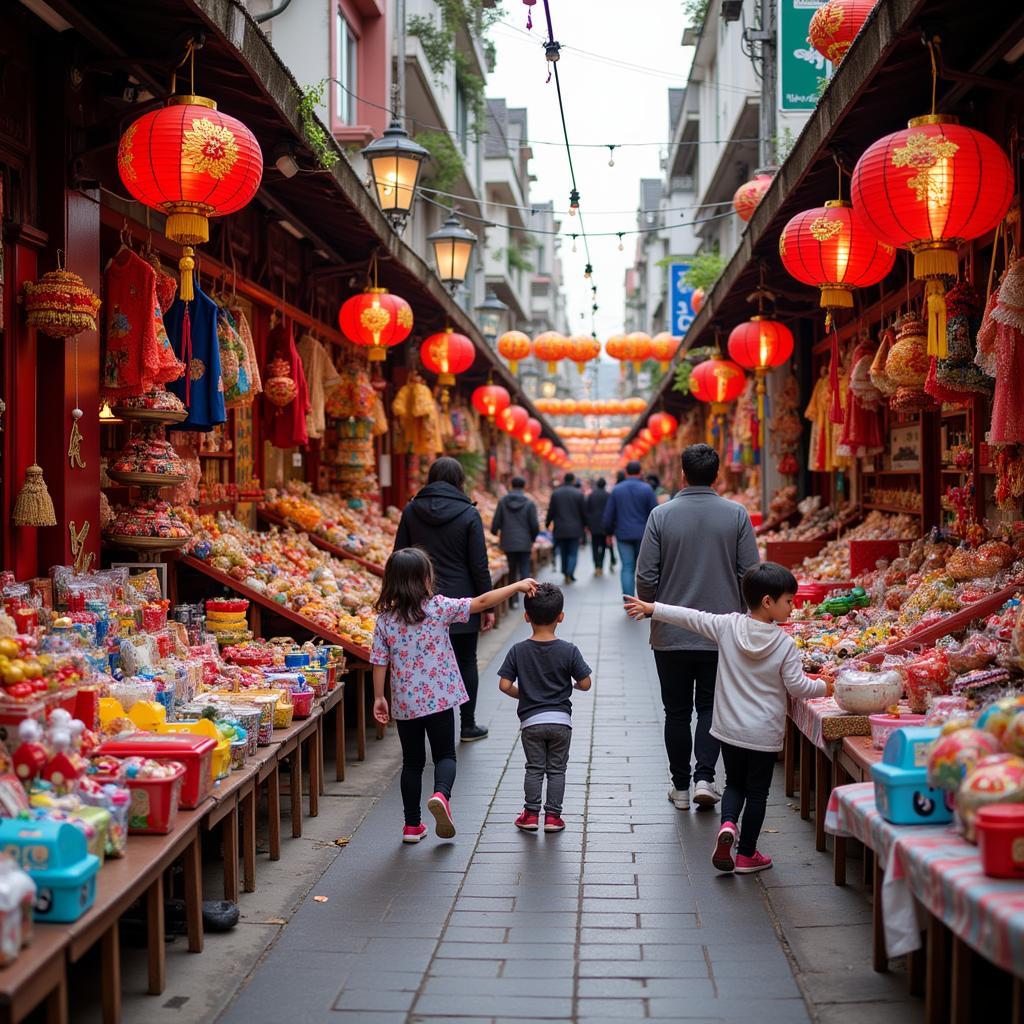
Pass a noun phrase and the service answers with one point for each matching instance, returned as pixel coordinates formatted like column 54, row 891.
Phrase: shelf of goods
column 271, row 519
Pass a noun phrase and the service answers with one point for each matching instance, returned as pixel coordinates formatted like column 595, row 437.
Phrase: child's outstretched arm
column 508, row 687
column 493, row 597
column 704, row 623
column 381, row 712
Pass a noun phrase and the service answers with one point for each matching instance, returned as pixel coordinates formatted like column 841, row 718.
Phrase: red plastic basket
column 155, row 802
column 864, row 554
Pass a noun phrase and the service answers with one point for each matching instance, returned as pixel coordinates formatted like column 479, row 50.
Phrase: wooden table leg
column 879, row 959
column 110, row 974
column 57, row 1000
column 1017, row 1004
column 960, row 995
column 867, row 869
column 806, row 771
column 313, row 756
column 936, row 973
column 839, row 860
column 248, row 803
column 274, row 812
column 822, row 791
column 789, row 758
column 916, row 972
column 295, row 789
column 321, row 775
column 194, row 894
column 339, row 740
column 155, row 948
column 360, row 715
column 229, row 843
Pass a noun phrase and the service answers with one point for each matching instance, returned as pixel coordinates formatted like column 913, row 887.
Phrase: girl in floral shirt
column 411, row 638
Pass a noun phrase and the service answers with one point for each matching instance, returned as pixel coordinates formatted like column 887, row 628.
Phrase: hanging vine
column 317, row 137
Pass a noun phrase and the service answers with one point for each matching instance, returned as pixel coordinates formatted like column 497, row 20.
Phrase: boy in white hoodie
column 757, row 664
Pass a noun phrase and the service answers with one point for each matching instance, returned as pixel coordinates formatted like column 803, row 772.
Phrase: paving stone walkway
column 619, row 918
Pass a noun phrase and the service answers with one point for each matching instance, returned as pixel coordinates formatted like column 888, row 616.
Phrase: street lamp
column 549, row 389
column 453, row 245
column 490, row 312
column 395, row 161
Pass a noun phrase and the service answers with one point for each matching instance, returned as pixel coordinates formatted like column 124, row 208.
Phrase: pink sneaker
column 413, row 833
column 442, row 812
column 748, row 865
column 722, row 857
column 553, row 823
column 527, row 821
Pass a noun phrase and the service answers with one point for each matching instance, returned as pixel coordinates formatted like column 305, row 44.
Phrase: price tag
column 297, row 460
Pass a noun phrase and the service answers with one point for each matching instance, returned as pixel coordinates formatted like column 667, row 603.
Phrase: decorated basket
column 279, row 386
column 61, row 305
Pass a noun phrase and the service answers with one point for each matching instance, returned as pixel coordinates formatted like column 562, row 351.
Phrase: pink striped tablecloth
column 933, row 866
column 808, row 716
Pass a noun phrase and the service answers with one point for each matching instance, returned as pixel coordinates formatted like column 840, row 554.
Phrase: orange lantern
column 490, row 399
column 697, row 300
column 586, row 408
column 376, row 320
column 635, row 405
column 190, row 162
column 717, row 380
column 550, row 347
column 835, row 24
column 747, row 197
column 530, row 431
column 512, row 419
column 647, row 436
column 447, row 354
column 929, row 188
column 514, row 345
column 543, row 446
column 662, row 425
column 581, row 349
column 615, row 346
column 638, row 349
column 664, row 347
column 568, row 407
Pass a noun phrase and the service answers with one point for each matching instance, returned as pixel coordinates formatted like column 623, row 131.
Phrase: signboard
column 680, row 296
column 801, row 67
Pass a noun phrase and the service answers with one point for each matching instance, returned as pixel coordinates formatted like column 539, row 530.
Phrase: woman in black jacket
column 443, row 521
column 596, row 501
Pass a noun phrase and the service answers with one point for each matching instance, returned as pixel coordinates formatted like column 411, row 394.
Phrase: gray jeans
column 547, row 753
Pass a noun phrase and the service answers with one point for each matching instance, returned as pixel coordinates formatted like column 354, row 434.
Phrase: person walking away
column 541, row 673
column 411, row 639
column 661, row 494
column 567, row 511
column 625, row 517
column 443, row 521
column 696, row 549
column 597, row 501
column 758, row 664
column 516, row 526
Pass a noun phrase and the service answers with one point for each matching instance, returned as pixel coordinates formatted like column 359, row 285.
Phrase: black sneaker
column 472, row 732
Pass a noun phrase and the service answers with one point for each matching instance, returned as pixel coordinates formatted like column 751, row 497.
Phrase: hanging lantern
column 647, row 436
column 60, row 304
column 569, row 407
column 453, row 246
column 697, row 300
column 447, row 354
column 514, row 345
column 664, row 347
column 834, row 249
column 637, row 349
column 190, row 162
column 581, row 348
column 835, row 24
column 530, row 431
column 490, row 399
column 929, row 188
column 512, row 419
column 662, row 425
column 550, row 347
column 615, row 346
column 717, row 380
column 543, row 446
column 377, row 320
column 279, row 386
column 395, row 162
column 634, row 405
column 760, row 344
column 906, row 366
column 750, row 193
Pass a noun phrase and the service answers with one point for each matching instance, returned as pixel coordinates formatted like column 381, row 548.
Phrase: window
column 462, row 118
column 344, row 71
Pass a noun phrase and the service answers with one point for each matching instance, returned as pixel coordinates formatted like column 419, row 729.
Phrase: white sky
column 604, row 103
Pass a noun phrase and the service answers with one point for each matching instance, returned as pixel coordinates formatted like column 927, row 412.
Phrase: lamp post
column 490, row 312
column 453, row 245
column 395, row 162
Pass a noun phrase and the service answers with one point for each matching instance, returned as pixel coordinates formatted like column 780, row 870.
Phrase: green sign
column 801, row 67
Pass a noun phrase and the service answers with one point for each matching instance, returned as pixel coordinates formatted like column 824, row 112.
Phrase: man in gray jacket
column 695, row 551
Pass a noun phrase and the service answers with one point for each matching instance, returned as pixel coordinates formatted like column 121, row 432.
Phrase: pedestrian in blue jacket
column 625, row 519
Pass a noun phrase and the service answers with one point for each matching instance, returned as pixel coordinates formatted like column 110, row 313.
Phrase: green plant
column 822, row 86
column 518, row 257
column 705, row 269
column 317, row 137
column 695, row 11
column 447, row 166
column 782, row 144
column 473, row 465
column 686, row 366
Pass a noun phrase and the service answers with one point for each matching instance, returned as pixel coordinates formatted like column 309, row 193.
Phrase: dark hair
column 447, row 470
column 768, row 579
column 569, row 479
column 700, row 465
column 654, row 480
column 633, row 468
column 518, row 483
column 620, row 476
column 408, row 583
column 545, row 606
column 601, row 483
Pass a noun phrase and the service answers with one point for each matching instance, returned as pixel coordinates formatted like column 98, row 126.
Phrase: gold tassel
column 186, row 265
column 34, row 506
column 936, row 261
column 836, row 297
column 935, row 305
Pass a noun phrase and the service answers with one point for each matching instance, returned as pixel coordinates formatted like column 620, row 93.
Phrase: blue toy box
column 55, row 856
column 902, row 793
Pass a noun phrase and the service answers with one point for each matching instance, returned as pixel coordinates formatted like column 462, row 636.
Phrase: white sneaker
column 680, row 798
column 705, row 795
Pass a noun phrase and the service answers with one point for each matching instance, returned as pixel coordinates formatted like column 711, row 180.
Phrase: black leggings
column 599, row 544
column 748, row 778
column 464, row 645
column 439, row 729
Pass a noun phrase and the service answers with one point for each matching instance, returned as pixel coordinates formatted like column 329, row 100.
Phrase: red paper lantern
column 647, row 436
column 697, row 300
column 760, row 344
column 662, row 425
column 834, row 249
column 447, row 354
column 376, row 320
column 543, row 446
column 717, row 380
column 834, row 26
column 490, row 399
column 664, row 347
column 514, row 345
column 746, row 198
column 530, row 431
column 190, row 162
column 581, row 348
column 637, row 348
column 550, row 347
column 512, row 419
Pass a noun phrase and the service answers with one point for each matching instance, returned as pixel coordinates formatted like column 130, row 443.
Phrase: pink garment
column 1008, row 402
column 425, row 676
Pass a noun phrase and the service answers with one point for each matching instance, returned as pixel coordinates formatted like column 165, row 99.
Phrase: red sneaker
column 722, row 857
column 527, row 821
column 442, row 812
column 748, row 865
column 553, row 823
column 413, row 833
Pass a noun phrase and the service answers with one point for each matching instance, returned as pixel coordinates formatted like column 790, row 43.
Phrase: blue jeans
column 628, row 550
column 568, row 552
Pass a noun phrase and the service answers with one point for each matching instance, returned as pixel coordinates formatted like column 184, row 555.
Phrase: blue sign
column 680, row 297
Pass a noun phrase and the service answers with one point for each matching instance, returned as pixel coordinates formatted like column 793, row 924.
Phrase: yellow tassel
column 935, row 304
column 34, row 506
column 836, row 297
column 552, row 367
column 582, row 367
column 935, row 261
column 186, row 266
column 513, row 366
column 187, row 228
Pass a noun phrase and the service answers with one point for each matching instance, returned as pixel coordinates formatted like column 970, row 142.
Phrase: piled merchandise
column 486, row 503
column 833, row 561
column 817, row 521
column 355, row 416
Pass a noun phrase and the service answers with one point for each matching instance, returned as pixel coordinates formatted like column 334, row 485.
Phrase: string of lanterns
column 584, row 407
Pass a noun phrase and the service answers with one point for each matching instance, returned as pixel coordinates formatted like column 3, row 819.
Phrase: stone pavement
column 619, row 918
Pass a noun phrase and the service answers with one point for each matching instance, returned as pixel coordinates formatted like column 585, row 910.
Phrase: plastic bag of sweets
column 926, row 675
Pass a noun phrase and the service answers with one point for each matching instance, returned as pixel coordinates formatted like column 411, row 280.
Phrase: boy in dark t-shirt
column 539, row 673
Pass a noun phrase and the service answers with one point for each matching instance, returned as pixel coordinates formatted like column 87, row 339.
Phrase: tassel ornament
column 34, row 506
column 935, row 311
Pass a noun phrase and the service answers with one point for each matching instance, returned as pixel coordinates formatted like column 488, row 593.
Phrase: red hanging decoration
column 747, row 197
column 664, row 346
column 662, row 425
column 834, row 26
column 760, row 344
column 490, row 399
column 514, row 346
column 512, row 419
column 530, row 431
column 376, row 320
column 551, row 348
column 717, row 380
column 447, row 354
column 581, row 349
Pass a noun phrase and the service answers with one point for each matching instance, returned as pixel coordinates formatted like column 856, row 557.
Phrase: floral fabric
column 425, row 676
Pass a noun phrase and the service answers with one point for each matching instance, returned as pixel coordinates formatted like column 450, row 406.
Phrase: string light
column 621, row 246
column 574, row 202
column 573, row 243
column 588, row 270
column 611, row 156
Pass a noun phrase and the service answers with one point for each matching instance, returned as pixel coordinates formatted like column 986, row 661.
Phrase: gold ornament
column 824, row 228
column 83, row 561
column 211, row 148
column 923, row 152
